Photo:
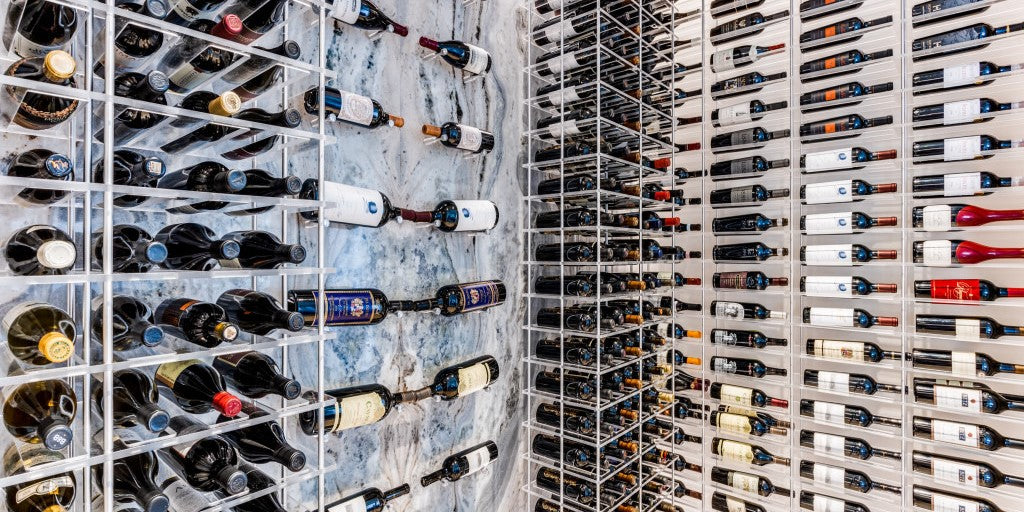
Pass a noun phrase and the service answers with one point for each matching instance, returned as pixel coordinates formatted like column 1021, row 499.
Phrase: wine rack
column 89, row 208
column 873, row 131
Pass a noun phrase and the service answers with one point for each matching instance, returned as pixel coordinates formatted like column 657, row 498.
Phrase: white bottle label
column 961, row 184
column 733, row 423
column 183, row 498
column 358, row 410
column 955, row 473
column 945, row 503
column 472, row 138
column 829, row 223
column 554, row 33
column 937, row 217
column 566, row 62
column 965, row 363
column 831, row 317
column 828, row 286
column 829, row 475
column 744, row 481
column 736, row 395
column 474, row 378
column 829, row 160
column 564, row 95
column 839, row 350
column 42, row 488
column 478, row 459
column 729, row 309
column 968, row 329
column 829, row 412
column 834, row 381
column 478, row 60
column 938, row 253
column 839, row 255
column 187, row 76
column 829, row 192
column 828, row 443
column 357, row 504
column 723, row 61
column 356, row 108
column 476, row 215
column 347, row 11
column 734, row 114
column 567, row 127
column 955, row 433
column 735, row 505
column 961, row 75
column 22, row 46
column 958, row 399
column 359, row 206
column 957, row 112
column 961, row 148
column 826, row 504
column 186, row 11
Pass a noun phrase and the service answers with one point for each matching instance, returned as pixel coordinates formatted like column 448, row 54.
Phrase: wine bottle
column 838, row 61
column 463, row 463
column 743, row 139
column 965, row 327
column 41, row 164
column 723, row 7
column 202, row 323
column 946, row 253
column 740, row 56
column 963, row 363
column 197, row 388
column 36, row 110
column 193, row 246
column 350, row 107
column 945, row 217
column 264, row 442
column 746, row 194
column 842, row 191
column 721, row 502
column 133, row 249
column 365, row 15
column 257, row 64
column 964, row 289
column 135, row 400
column 462, row 298
column 747, row 482
column 966, row 397
column 41, row 412
column 960, row 112
column 747, row 453
column 934, row 499
column 839, row 446
column 134, row 170
column 226, row 104
column 39, row 27
column 829, row 34
column 744, row 396
column 575, row 419
column 368, row 500
column 184, row 12
column 259, row 84
column 743, row 84
column 746, row 280
column 134, row 476
column 261, row 183
column 839, row 127
column 40, row 250
column 747, row 339
column 580, row 387
column 842, row 414
column 134, row 44
column 744, row 167
column 355, row 407
column 963, row 434
column 460, row 215
column 258, row 312
column 38, row 333
column 556, row 285
column 959, row 76
column 724, row 32
column 576, row 455
column 193, row 61
column 575, row 490
column 962, row 472
column 256, row 375
column 953, row 41
column 814, row 501
column 741, row 366
column 846, row 383
column 959, row 148
column 740, row 310
column 840, row 159
column 963, row 184
column 207, row 176
column 257, row 481
column 842, row 478
column 346, row 307
column 837, row 350
column 846, row 317
column 842, row 223
column 134, row 325
column 456, row 381
column 743, row 112
column 751, row 222
column 749, row 251
column 842, row 255
column 465, row 56
column 208, row 464
column 260, row 21
column 58, row 490
column 460, row 136
column 743, row 424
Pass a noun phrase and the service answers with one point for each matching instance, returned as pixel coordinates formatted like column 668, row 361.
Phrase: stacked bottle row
column 612, row 252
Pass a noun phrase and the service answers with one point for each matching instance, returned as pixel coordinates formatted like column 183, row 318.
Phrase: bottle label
column 968, row 329
column 48, row 486
column 566, row 62
column 956, row 289
column 187, row 76
column 472, row 138
column 735, row 451
column 958, row 399
column 840, row 255
column 474, row 378
column 837, row 382
column 567, row 127
column 829, row 223
column 961, row 184
column 828, row 443
column 124, row 61
column 565, row 95
column 961, row 148
column 184, row 498
column 955, row 433
column 356, row 108
column 741, row 138
column 829, row 192
column 729, row 309
column 478, row 59
column 964, row 363
column 186, row 10
column 733, row 423
column 351, row 307
column 831, row 317
column 555, row 32
column 944, row 503
column 828, row 286
column 22, row 46
column 476, row 215
column 736, row 395
column 478, row 459
column 478, row 295
column 735, row 505
column 958, row 474
column 229, row 360
column 167, row 373
column 741, row 195
column 828, row 412
column 359, row 206
column 734, row 114
column 358, row 410
column 356, row 504
column 937, row 217
column 829, row 475
column 723, row 60
column 829, row 160
column 347, row 11
column 956, row 76
column 957, row 112
column 840, row 350
column 744, row 481
column 827, row 504
column 938, row 253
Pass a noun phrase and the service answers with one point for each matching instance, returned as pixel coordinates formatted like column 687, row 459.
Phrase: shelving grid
column 89, row 209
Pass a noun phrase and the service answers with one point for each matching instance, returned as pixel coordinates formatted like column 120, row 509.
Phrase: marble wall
column 409, row 261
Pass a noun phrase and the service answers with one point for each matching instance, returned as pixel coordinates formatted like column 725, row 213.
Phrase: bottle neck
column 399, row 491
column 431, row 478
column 405, row 397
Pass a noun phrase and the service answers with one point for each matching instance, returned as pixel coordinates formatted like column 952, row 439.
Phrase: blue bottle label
column 351, row 307
column 479, row 295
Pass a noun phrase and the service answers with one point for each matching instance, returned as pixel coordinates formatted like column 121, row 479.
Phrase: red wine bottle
column 354, row 407
column 963, row 434
column 226, row 104
column 746, row 453
column 843, row 478
column 842, row 191
column 826, row 35
column 193, row 246
column 259, row 481
column 368, row 500
column 744, row 139
column 260, row 21
column 963, row 184
column 843, row 446
column 741, row 310
column 256, row 375
column 743, row 84
column 745, row 339
column 842, row 414
column 184, row 12
column 133, row 249
column 365, row 15
column 134, row 170
column 40, row 250
column 134, row 476
column 842, row 255
column 952, row 41
column 846, row 317
column 134, row 325
column 841, row 60
column 466, row 297
column 946, row 253
column 746, row 367
column 258, row 312
column 846, row 383
column 744, row 396
column 965, row 327
column 860, row 351
column 945, row 217
column 966, row 397
column 134, row 44
column 746, row 194
column 960, row 75
column 208, row 464
column 743, row 112
column 815, row 501
column 962, row 472
column 42, row 164
column 724, row 32
column 457, row 381
column 842, row 222
column 458, row 215
column 740, row 56
column 748, row 251
column 197, row 388
column 193, row 61
column 264, row 442
column 751, row 222
column 135, row 400
column 350, row 108
column 262, row 249
column 721, row 502
column 746, row 280
column 964, row 289
column 464, row 463
column 202, row 323
column 935, row 499
column 257, row 64
column 747, row 482
column 461, row 136
column 839, row 127
column 465, row 56
column 960, row 148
